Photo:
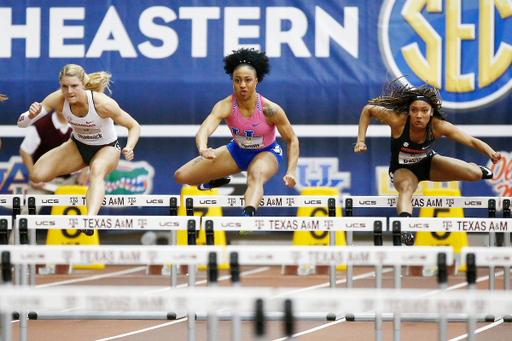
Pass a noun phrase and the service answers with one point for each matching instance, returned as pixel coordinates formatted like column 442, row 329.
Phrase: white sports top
column 90, row 129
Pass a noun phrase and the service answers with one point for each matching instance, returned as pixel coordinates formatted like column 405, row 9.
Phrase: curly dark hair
column 258, row 60
column 400, row 97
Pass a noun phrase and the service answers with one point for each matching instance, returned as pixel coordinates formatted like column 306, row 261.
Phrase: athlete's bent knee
column 179, row 177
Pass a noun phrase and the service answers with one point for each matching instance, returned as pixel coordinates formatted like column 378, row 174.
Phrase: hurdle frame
column 112, row 201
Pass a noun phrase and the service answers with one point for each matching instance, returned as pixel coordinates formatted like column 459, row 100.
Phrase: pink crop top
column 253, row 132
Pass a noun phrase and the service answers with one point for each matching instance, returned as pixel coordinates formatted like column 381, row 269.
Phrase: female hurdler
column 93, row 142
column 416, row 121
column 252, row 120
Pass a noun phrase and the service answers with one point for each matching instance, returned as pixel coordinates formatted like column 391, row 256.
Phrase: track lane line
column 453, row 287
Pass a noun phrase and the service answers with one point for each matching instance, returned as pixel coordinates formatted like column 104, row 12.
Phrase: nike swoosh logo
column 89, row 122
column 423, row 148
column 255, row 125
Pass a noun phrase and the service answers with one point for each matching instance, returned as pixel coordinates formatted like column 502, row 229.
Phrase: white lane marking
column 244, row 274
column 143, row 330
column 92, row 278
column 480, row 279
column 479, row 330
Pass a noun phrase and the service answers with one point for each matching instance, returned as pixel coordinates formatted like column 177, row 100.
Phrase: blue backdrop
column 328, row 59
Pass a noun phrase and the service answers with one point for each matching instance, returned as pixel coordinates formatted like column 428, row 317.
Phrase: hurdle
column 14, row 202
column 115, row 254
column 441, row 202
column 162, row 223
column 165, row 223
column 485, row 257
column 245, row 299
column 290, row 224
column 112, row 201
column 489, row 225
column 377, row 256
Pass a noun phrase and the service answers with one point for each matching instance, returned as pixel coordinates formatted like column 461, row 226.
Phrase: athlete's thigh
column 207, row 169
column 444, row 168
column 62, row 160
column 105, row 160
column 265, row 163
column 405, row 179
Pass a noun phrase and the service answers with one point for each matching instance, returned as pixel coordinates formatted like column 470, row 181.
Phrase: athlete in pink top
column 253, row 132
column 252, row 120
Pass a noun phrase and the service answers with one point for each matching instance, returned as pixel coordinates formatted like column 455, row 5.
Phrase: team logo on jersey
column 321, row 172
column 463, row 48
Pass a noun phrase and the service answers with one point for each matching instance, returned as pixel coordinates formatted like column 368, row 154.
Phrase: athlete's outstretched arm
column 381, row 114
column 277, row 116
column 107, row 107
column 449, row 130
column 220, row 111
column 53, row 101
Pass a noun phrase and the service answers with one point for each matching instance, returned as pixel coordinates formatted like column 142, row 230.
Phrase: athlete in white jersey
column 90, row 129
column 94, row 143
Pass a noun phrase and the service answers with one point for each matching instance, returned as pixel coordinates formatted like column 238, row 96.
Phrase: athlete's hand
column 34, row 110
column 289, row 180
column 207, row 153
column 495, row 157
column 360, row 147
column 39, row 185
column 128, row 153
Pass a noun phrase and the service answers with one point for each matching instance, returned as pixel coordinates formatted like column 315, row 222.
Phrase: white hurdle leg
column 506, row 269
column 378, row 316
column 191, row 315
column 396, row 316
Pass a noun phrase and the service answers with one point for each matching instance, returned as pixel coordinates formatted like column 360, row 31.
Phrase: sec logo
column 463, row 48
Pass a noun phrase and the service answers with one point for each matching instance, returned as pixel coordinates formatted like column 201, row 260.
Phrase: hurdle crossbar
column 419, row 201
column 102, row 222
column 111, row 254
column 286, row 224
column 441, row 224
column 266, row 201
column 108, row 200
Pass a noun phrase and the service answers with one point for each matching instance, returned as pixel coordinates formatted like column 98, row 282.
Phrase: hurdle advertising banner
column 328, row 59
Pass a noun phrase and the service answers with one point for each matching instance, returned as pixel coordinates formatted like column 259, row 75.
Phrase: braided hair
column 400, row 97
column 248, row 57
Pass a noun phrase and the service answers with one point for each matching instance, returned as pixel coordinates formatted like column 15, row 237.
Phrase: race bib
column 408, row 158
column 246, row 142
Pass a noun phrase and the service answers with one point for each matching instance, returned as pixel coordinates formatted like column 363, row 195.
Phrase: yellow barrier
column 457, row 240
column 318, row 238
column 219, row 236
column 72, row 236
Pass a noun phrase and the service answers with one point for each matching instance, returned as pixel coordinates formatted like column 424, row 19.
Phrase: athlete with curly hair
column 252, row 120
column 93, row 143
column 416, row 121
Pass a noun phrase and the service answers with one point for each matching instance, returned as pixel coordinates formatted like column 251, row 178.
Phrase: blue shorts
column 243, row 157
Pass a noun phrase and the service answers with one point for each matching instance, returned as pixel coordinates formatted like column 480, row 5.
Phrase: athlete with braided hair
column 252, row 120
column 93, row 143
column 416, row 121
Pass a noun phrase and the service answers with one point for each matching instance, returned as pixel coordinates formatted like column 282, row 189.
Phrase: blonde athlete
column 93, row 142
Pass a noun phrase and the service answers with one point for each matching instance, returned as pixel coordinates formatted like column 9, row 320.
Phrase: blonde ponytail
column 98, row 81
column 3, row 98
